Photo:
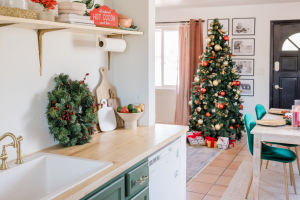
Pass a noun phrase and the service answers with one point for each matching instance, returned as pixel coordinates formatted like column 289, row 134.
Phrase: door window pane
column 170, row 57
column 288, row 46
column 158, row 58
column 295, row 39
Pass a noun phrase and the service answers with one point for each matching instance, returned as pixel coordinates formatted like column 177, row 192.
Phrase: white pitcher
column 23, row 4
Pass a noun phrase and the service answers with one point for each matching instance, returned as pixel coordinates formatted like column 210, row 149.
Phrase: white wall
column 134, row 68
column 263, row 14
column 165, row 105
column 24, row 93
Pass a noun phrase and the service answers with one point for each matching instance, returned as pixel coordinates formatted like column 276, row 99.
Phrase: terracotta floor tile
column 239, row 158
column 244, row 153
column 207, row 178
column 229, row 172
column 219, row 163
column 217, row 190
column 225, row 157
column 209, row 197
column 234, row 165
column 224, row 180
column 194, row 196
column 213, row 170
column 198, row 187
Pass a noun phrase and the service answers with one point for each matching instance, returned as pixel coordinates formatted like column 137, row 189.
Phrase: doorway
column 284, row 63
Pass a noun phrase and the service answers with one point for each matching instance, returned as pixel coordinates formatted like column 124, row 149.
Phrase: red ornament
column 204, row 63
column 222, row 93
column 58, row 108
column 226, row 38
column 209, row 45
column 231, row 127
column 221, row 106
column 234, row 83
column 207, row 114
column 238, row 83
column 241, row 107
column 203, row 90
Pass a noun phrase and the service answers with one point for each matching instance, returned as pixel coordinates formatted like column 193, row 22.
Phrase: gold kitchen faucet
column 16, row 144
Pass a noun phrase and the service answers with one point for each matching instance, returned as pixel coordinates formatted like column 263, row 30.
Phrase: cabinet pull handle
column 142, row 180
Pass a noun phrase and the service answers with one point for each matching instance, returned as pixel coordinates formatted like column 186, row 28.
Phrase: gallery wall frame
column 246, row 63
column 243, row 26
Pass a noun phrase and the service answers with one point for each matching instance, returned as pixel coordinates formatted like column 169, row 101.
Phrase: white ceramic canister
column 23, row 4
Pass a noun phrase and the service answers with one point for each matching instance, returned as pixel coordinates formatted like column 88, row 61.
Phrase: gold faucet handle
column 3, row 157
column 20, row 138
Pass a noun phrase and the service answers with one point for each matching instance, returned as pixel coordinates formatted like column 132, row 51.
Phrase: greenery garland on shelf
column 70, row 111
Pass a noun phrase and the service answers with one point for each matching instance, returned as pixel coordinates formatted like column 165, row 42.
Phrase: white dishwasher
column 164, row 173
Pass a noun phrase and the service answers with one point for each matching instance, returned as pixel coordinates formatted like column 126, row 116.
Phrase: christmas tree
column 215, row 100
column 70, row 111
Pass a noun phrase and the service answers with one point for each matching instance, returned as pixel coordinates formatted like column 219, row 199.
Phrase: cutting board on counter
column 102, row 91
column 106, row 117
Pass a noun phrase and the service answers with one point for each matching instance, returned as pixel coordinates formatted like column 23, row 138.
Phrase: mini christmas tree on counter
column 215, row 100
column 70, row 111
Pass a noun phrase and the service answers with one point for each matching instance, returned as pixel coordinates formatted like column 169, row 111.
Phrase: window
column 166, row 57
column 292, row 43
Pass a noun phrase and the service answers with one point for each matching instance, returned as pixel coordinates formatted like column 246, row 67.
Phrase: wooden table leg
column 256, row 165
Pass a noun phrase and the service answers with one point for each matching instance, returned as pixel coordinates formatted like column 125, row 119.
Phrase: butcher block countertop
column 124, row 148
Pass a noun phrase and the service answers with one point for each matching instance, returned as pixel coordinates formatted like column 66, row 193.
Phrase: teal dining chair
column 260, row 113
column 270, row 153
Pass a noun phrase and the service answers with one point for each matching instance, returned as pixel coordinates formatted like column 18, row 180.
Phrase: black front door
column 285, row 57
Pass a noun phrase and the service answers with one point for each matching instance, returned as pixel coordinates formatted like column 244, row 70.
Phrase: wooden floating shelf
column 47, row 26
column 74, row 28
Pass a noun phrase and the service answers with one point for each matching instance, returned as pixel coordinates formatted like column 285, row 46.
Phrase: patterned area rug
column 197, row 159
column 271, row 186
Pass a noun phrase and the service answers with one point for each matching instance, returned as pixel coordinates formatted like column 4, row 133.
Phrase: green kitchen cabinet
column 129, row 181
column 115, row 191
column 143, row 195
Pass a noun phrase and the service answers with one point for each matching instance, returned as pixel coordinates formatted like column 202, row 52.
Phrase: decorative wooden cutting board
column 102, row 91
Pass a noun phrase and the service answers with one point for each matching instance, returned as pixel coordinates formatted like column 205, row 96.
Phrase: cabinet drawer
column 143, row 195
column 114, row 191
column 137, row 179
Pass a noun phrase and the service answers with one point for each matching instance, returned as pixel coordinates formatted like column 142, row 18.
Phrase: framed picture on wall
column 243, row 46
column 247, row 85
column 244, row 67
column 243, row 26
column 224, row 22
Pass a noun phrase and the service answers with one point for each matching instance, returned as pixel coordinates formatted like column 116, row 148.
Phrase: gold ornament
column 196, row 102
column 200, row 57
column 213, row 121
column 219, row 60
column 216, row 105
column 226, row 99
column 236, row 97
column 214, row 53
column 217, row 27
column 208, row 40
column 225, row 63
column 211, row 24
column 212, row 44
column 238, row 92
column 216, row 94
column 226, row 116
column 197, row 79
column 200, row 121
column 199, row 109
column 198, row 70
column 233, row 120
column 190, row 103
column 217, row 64
column 215, row 83
column 219, row 81
column 203, row 71
column 233, row 71
column 212, row 36
column 222, row 72
column 218, row 47
column 223, row 66
column 215, row 101
column 210, row 76
column 205, row 107
column 225, row 49
column 217, row 127
column 210, row 30
column 202, row 97
column 219, row 113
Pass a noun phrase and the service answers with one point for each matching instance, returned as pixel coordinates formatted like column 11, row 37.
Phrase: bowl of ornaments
column 130, row 114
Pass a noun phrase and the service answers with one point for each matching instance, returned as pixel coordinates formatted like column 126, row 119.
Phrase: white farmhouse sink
column 45, row 176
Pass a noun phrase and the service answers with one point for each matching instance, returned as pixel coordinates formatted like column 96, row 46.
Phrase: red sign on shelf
column 104, row 16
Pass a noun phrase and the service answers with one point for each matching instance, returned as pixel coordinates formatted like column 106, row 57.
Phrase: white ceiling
column 213, row 3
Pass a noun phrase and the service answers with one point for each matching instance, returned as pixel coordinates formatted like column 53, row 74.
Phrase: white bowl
column 130, row 119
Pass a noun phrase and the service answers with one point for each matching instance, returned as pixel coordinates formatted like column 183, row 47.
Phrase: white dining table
column 282, row 134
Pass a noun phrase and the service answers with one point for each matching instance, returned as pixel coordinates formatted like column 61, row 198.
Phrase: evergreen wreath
column 70, row 111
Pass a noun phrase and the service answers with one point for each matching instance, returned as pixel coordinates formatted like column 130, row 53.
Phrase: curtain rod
column 177, row 22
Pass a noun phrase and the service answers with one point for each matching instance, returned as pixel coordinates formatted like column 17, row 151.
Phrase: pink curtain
column 190, row 48
column 182, row 110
